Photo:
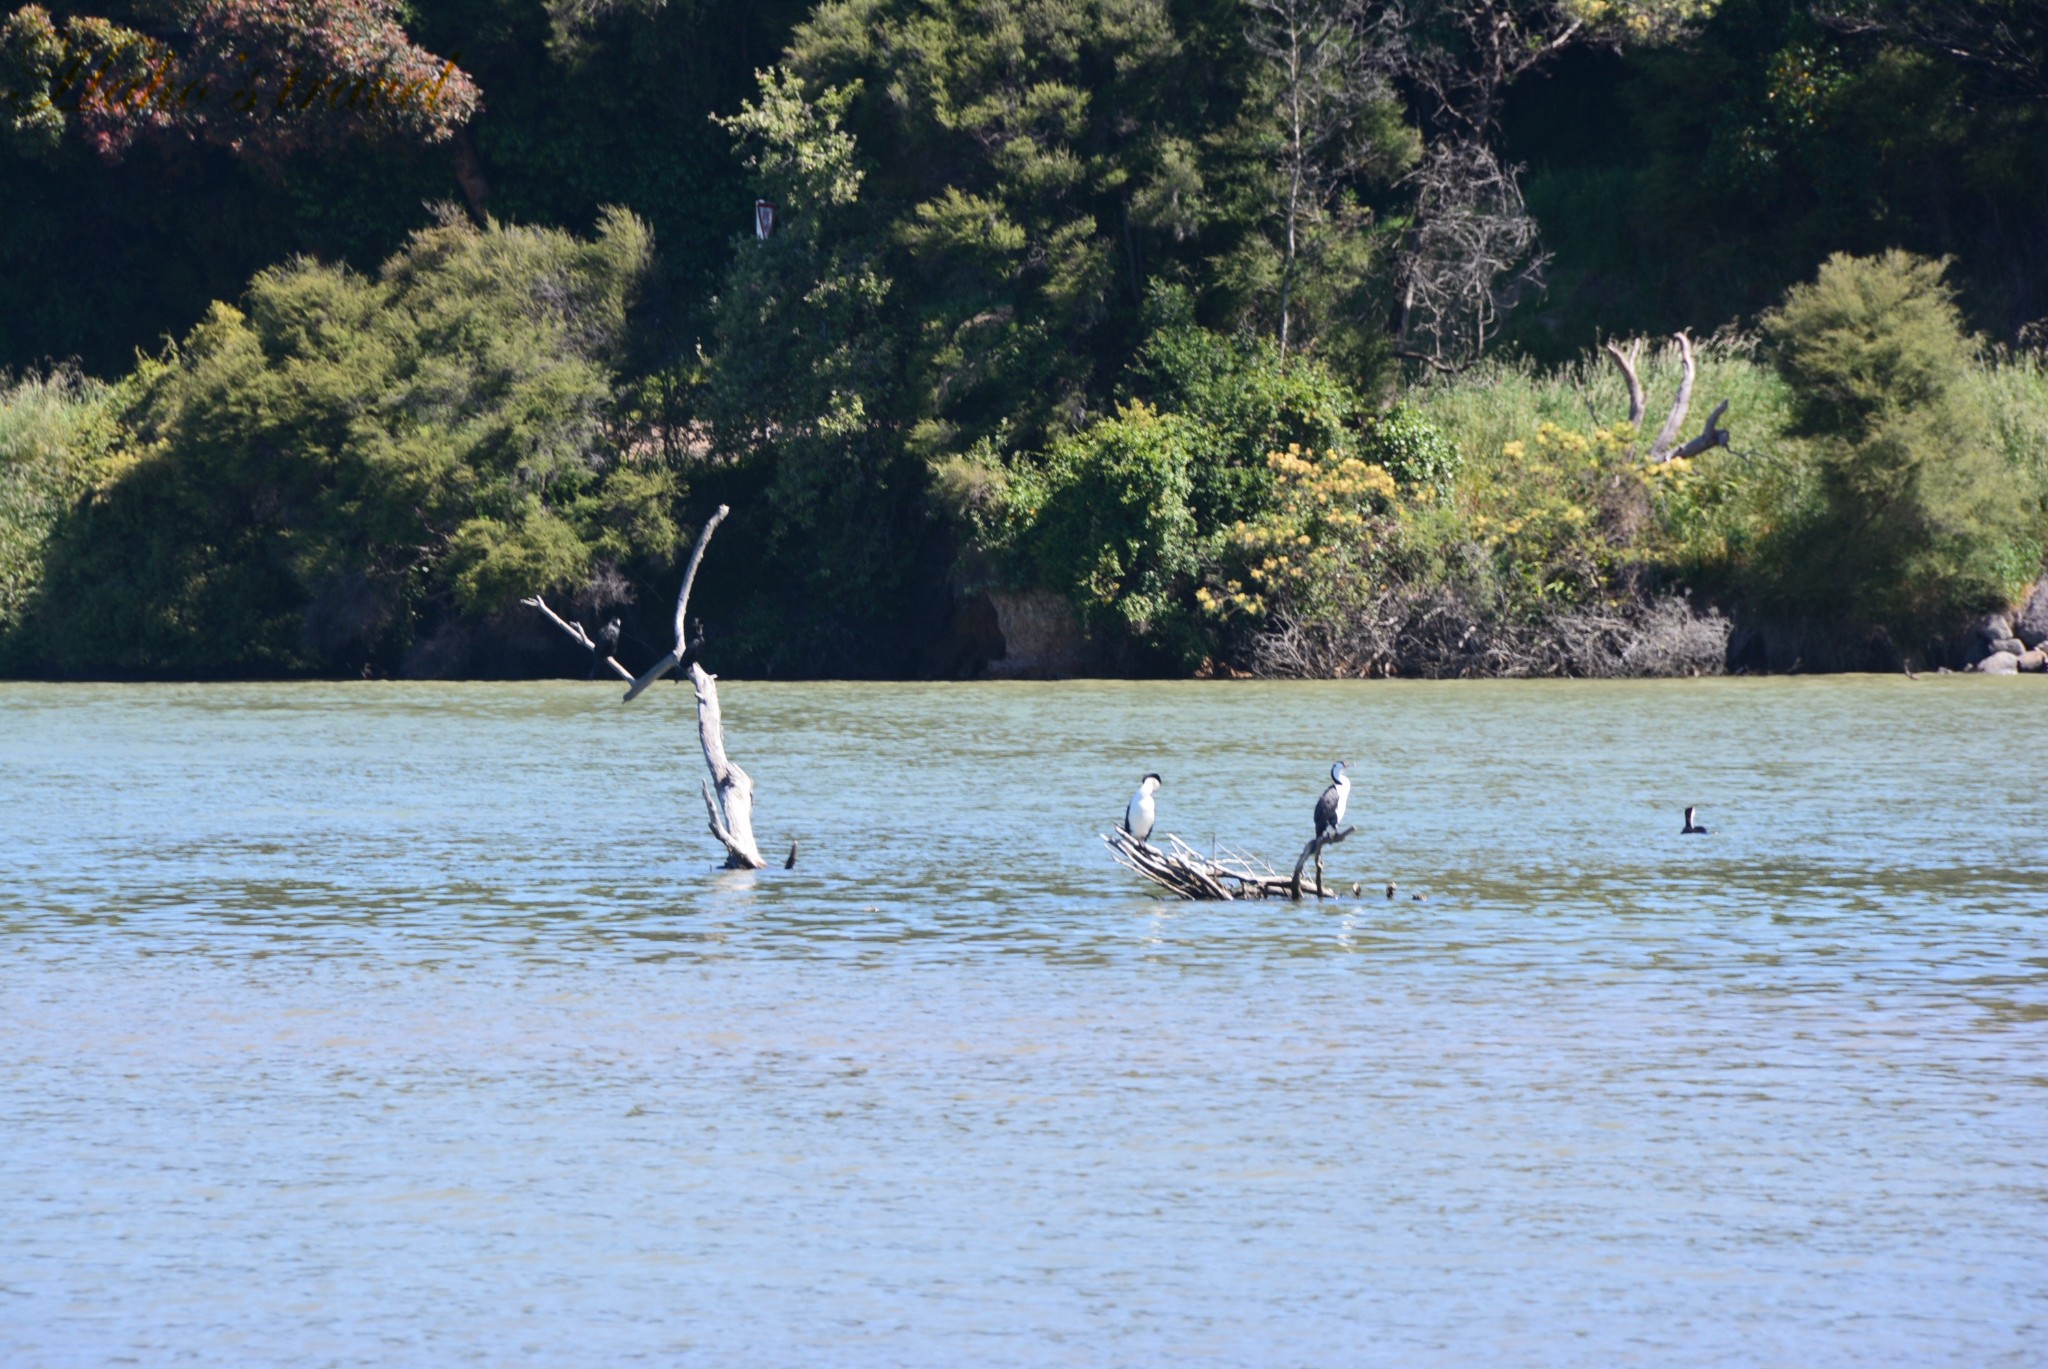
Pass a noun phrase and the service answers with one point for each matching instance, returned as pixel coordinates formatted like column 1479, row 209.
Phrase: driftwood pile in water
column 1182, row 870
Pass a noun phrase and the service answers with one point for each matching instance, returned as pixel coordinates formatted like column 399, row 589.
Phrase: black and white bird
column 1140, row 813
column 1692, row 826
column 1330, row 807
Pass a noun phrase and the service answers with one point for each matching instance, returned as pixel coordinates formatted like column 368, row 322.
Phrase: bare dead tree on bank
column 1470, row 259
column 729, row 793
column 1667, row 447
column 1472, row 254
column 1460, row 56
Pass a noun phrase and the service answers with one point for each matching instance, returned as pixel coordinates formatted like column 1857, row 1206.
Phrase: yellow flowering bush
column 1544, row 518
column 1312, row 552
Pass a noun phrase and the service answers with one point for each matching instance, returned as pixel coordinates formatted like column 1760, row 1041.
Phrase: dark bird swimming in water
column 1140, row 813
column 1692, row 828
column 1330, row 807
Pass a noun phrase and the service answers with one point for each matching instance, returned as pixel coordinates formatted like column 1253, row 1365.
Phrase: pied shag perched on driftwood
column 1140, row 813
column 1222, row 873
column 1330, row 807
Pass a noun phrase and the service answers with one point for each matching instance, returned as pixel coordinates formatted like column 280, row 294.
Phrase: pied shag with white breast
column 1692, row 828
column 1140, row 813
column 1330, row 807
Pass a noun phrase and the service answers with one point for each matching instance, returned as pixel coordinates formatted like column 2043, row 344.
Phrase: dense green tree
column 805, row 385
column 1106, row 521
column 1664, row 208
column 100, row 258
column 345, row 466
column 1324, row 110
column 1921, row 519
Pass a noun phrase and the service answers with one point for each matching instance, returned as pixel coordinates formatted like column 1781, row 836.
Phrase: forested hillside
column 1145, row 336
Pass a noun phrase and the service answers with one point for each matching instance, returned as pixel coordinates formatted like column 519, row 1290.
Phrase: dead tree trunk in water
column 729, row 793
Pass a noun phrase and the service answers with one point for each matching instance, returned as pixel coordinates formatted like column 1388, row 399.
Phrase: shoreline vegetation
column 1293, row 338
column 227, row 510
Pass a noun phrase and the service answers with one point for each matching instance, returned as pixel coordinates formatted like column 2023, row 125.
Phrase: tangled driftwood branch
column 1225, row 875
column 1445, row 633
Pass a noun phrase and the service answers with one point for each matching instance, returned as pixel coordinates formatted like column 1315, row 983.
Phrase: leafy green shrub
column 1314, row 556
column 1412, row 450
column 317, row 478
column 1700, row 522
column 52, row 428
column 1107, row 522
column 1919, row 519
column 1245, row 401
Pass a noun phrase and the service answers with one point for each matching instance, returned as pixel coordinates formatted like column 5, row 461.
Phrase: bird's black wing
column 1326, row 810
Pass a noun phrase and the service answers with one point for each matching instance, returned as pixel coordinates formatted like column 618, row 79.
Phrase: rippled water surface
column 384, row 1024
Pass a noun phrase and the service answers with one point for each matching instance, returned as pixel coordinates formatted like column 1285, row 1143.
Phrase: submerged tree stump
column 729, row 793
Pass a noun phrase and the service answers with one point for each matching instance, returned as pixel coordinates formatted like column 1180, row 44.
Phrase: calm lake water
column 374, row 1024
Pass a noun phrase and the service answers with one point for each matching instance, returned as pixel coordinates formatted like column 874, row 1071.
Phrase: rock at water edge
column 2030, row 624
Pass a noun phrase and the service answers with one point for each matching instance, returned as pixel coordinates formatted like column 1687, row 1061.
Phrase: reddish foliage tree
column 263, row 77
